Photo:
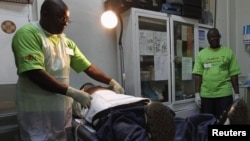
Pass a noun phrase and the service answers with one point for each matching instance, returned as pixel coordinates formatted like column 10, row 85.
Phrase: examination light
column 109, row 19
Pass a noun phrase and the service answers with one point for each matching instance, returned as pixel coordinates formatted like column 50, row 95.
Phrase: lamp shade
column 109, row 19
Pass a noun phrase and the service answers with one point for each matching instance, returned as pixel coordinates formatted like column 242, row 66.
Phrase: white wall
column 18, row 14
column 240, row 16
column 96, row 42
column 221, row 21
column 232, row 15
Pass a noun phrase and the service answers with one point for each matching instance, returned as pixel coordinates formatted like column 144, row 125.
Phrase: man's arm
column 49, row 83
column 97, row 74
column 235, row 84
column 100, row 76
column 198, row 79
column 46, row 81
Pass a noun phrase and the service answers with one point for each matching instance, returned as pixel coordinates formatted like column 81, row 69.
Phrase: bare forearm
column 198, row 79
column 46, row 81
column 97, row 74
column 234, row 81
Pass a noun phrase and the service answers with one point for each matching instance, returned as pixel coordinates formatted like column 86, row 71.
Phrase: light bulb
column 109, row 19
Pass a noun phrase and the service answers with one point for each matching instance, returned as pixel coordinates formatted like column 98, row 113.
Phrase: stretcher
column 83, row 130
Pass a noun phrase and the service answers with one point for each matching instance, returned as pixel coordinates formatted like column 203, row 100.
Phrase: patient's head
column 86, row 86
column 91, row 88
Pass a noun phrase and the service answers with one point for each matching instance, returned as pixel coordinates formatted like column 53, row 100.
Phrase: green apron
column 43, row 115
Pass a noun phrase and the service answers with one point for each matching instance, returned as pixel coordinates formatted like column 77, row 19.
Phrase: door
column 184, row 47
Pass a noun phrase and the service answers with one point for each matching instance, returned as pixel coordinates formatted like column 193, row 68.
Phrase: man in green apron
column 43, row 57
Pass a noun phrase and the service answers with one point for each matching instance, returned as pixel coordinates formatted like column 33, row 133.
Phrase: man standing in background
column 216, row 71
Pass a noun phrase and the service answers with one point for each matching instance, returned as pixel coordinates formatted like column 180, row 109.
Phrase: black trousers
column 216, row 106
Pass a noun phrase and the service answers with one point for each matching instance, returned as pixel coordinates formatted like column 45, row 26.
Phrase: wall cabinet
column 184, row 47
column 158, row 52
column 147, row 54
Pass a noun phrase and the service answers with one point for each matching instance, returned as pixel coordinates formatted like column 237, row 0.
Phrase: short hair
column 213, row 30
column 88, row 83
column 49, row 6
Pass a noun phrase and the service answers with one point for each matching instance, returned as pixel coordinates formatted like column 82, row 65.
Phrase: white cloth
column 104, row 99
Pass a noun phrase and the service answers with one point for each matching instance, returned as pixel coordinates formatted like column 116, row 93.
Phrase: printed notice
column 146, row 44
column 161, row 67
column 186, row 68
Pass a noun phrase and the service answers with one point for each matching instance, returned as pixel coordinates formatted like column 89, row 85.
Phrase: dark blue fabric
column 215, row 106
column 126, row 124
column 193, row 128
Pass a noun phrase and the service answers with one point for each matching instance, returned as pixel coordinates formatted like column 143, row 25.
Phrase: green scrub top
column 216, row 67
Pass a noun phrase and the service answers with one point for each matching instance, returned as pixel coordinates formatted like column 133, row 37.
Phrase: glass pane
column 154, row 62
column 184, row 60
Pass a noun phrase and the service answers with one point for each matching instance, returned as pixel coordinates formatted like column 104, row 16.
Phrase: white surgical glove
column 198, row 99
column 80, row 96
column 76, row 108
column 237, row 96
column 116, row 87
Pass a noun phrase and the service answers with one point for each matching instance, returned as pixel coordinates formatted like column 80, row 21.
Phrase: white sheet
column 104, row 99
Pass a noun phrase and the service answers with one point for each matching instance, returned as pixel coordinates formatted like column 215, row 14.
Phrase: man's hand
column 116, row 87
column 237, row 96
column 80, row 96
column 76, row 109
column 198, row 99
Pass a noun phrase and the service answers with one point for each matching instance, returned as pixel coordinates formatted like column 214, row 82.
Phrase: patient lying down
column 119, row 117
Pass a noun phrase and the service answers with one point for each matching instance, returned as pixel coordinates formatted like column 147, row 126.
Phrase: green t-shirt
column 27, row 46
column 216, row 67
